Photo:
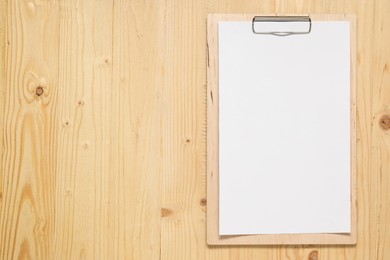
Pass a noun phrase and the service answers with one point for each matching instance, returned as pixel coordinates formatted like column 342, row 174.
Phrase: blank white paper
column 284, row 130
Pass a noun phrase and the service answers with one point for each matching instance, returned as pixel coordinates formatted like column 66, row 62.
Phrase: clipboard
column 213, row 237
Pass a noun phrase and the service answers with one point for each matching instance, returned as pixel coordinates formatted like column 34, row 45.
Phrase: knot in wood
column 384, row 122
column 39, row 91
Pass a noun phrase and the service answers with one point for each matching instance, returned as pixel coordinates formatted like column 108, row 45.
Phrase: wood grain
column 120, row 180
column 2, row 83
column 183, row 127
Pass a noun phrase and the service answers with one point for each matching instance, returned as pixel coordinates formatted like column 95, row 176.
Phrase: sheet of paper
column 284, row 130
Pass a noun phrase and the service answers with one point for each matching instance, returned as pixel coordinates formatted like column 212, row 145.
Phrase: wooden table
column 103, row 145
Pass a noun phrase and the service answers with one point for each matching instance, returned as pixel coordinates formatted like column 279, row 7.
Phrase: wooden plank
column 3, row 21
column 213, row 145
column 135, row 144
column 184, row 137
column 375, row 103
column 75, row 129
column 98, row 102
column 31, row 64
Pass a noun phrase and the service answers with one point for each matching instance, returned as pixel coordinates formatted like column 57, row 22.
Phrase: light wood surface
column 213, row 237
column 125, row 178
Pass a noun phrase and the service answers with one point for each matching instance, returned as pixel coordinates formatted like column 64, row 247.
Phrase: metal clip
column 283, row 19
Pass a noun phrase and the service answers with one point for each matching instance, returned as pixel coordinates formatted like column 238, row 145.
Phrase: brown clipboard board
column 213, row 237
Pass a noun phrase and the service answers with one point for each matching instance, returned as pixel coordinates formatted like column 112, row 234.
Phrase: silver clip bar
column 282, row 19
